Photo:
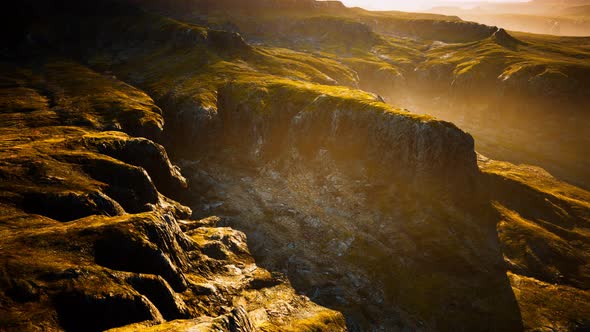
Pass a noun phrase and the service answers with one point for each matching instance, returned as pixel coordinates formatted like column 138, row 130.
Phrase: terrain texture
column 232, row 166
column 554, row 17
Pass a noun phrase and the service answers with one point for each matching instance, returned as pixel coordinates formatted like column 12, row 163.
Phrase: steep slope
column 385, row 215
column 456, row 70
column 88, row 242
column 359, row 231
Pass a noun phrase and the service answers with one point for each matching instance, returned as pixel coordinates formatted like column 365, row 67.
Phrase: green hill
column 305, row 198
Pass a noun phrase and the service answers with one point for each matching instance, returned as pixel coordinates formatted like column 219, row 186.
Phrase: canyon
column 217, row 166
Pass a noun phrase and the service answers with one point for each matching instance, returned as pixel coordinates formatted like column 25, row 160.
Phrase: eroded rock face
column 373, row 140
column 369, row 210
column 157, row 290
column 362, row 208
column 64, row 206
column 83, row 312
column 349, row 243
column 143, row 153
column 89, row 243
column 121, row 250
column 143, row 268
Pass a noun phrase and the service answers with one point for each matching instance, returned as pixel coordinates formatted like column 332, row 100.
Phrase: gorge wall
column 359, row 215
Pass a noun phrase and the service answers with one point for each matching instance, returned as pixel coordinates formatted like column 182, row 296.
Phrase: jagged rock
column 129, row 185
column 188, row 225
column 175, row 208
column 161, row 295
column 67, row 206
column 237, row 321
column 371, row 210
column 120, row 249
column 222, row 243
column 146, row 154
column 122, row 257
column 85, row 312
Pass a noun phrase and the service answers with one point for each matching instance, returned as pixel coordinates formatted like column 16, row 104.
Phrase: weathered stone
column 121, row 250
column 161, row 295
column 67, row 206
column 83, row 312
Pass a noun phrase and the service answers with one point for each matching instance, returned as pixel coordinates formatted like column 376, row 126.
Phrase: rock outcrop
column 346, row 202
column 88, row 241
column 504, row 39
column 363, row 132
column 142, row 153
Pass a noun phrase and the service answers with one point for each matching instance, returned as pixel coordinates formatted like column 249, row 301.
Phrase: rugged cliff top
column 90, row 243
column 364, row 215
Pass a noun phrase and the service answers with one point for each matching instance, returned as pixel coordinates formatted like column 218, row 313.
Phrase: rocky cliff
column 390, row 230
column 334, row 210
column 88, row 241
column 479, row 77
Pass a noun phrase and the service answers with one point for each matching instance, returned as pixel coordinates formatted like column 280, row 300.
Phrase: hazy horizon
column 414, row 5
column 295, row 165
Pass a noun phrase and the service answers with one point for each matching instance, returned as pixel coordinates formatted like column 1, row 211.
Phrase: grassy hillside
column 89, row 242
column 513, row 91
column 388, row 218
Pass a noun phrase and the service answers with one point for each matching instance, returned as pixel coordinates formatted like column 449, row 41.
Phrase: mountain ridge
column 387, row 216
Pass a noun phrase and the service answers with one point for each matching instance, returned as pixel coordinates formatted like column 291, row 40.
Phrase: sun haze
column 406, row 5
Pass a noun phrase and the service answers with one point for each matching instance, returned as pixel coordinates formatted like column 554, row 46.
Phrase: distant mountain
column 253, row 166
column 583, row 11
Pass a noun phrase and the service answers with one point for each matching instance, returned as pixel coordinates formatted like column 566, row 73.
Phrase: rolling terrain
column 217, row 165
column 553, row 17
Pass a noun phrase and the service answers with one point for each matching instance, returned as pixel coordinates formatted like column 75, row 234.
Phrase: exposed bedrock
column 76, row 184
column 157, row 290
column 87, row 240
column 380, row 214
column 70, row 206
column 155, row 250
column 98, row 273
column 356, row 134
column 368, row 210
column 373, row 211
column 143, row 153
column 81, row 312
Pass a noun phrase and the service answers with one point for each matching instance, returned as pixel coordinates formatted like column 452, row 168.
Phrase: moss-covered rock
column 349, row 126
column 366, row 208
column 143, row 153
column 88, row 241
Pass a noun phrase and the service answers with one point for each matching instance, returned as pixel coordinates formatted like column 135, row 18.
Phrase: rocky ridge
column 470, row 74
column 387, row 216
column 88, row 241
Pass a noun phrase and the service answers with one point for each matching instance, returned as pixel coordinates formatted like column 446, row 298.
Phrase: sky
column 406, row 4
